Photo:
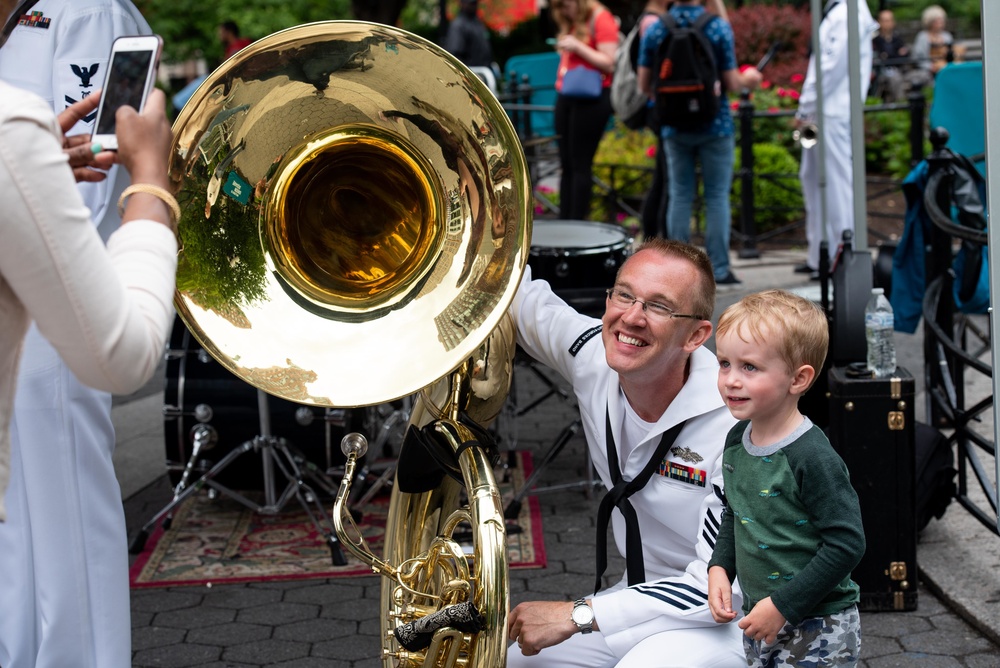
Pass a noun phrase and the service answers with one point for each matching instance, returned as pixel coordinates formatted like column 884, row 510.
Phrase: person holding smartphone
column 63, row 548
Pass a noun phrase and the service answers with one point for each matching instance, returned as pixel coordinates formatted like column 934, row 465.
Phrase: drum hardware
column 276, row 453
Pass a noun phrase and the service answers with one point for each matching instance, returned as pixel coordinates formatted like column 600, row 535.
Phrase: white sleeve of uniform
column 547, row 327
column 833, row 62
column 82, row 43
column 628, row 615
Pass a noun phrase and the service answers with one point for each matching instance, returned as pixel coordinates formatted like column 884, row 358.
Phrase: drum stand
column 275, row 453
column 513, row 508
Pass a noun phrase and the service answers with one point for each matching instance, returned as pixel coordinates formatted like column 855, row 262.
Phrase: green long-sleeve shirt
column 792, row 526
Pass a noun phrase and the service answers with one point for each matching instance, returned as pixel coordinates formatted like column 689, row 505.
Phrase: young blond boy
column 791, row 530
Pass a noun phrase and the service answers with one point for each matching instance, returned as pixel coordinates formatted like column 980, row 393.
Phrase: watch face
column 583, row 614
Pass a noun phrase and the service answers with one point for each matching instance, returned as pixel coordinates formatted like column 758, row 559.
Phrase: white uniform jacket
column 678, row 519
column 834, row 62
column 62, row 56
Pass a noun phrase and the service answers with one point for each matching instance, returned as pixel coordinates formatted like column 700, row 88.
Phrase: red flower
column 794, row 94
column 765, row 84
column 651, row 152
column 734, row 105
column 781, row 92
column 797, row 78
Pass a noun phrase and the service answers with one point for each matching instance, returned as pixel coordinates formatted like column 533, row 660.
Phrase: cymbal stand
column 276, row 454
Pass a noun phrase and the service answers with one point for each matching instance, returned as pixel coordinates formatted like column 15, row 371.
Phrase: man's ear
column 699, row 335
column 802, row 379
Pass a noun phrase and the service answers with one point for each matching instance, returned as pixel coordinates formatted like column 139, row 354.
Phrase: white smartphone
column 130, row 76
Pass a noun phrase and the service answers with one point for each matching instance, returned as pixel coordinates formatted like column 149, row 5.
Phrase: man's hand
column 720, row 595
column 763, row 622
column 540, row 624
column 77, row 148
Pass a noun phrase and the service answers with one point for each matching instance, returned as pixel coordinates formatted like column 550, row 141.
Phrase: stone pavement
column 335, row 623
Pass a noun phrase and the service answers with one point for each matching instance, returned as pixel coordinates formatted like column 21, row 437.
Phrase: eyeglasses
column 624, row 301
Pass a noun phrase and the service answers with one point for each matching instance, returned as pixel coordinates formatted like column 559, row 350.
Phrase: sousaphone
column 356, row 219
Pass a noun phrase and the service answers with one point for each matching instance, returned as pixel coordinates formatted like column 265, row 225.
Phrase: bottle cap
column 878, row 291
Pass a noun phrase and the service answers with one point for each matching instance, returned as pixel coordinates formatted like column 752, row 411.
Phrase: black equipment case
column 872, row 428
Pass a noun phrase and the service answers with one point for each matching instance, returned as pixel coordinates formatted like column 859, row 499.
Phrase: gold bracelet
column 155, row 191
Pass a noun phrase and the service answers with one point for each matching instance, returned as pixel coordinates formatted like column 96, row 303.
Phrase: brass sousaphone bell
column 356, row 220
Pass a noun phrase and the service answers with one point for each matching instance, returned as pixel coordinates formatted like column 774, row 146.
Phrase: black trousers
column 579, row 124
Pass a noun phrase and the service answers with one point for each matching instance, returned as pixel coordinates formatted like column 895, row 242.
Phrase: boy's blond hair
column 792, row 325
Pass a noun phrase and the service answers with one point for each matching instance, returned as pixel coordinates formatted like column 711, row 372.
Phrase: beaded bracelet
column 155, row 191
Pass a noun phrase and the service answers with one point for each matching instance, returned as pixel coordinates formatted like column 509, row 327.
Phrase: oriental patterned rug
column 221, row 541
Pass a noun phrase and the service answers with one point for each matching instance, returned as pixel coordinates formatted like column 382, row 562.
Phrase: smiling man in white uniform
column 63, row 551
column 648, row 397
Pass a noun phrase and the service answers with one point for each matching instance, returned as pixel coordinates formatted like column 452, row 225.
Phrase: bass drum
column 579, row 259
column 200, row 391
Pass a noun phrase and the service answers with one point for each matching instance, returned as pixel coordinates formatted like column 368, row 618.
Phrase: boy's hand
column 764, row 621
column 720, row 595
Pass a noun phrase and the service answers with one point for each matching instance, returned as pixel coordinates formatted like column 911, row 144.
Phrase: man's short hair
column 794, row 326
column 231, row 26
column 703, row 301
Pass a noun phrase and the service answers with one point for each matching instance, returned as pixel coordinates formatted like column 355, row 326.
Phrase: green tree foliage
column 188, row 27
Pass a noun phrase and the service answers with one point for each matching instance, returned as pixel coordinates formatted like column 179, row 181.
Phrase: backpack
column 627, row 101
column 687, row 84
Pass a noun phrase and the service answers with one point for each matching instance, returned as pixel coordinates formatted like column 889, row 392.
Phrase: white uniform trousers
column 839, row 190
column 709, row 647
column 63, row 551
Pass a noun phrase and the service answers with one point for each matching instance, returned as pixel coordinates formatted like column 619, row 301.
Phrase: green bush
column 624, row 161
column 776, row 191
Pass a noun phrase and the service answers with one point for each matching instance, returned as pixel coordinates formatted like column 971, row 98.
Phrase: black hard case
column 872, row 428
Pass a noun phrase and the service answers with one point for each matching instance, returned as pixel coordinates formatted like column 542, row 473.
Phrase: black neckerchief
column 617, row 497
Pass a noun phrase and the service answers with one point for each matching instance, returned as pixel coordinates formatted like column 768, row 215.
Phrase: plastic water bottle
column 879, row 327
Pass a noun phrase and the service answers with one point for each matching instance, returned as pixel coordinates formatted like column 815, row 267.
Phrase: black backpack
column 687, row 84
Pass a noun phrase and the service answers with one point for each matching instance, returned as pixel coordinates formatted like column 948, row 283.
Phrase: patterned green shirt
column 792, row 525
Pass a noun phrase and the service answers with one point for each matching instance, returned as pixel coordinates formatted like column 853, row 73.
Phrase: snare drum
column 579, row 259
column 199, row 390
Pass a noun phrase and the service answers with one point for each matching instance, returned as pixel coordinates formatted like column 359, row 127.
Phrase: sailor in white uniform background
column 63, row 550
column 836, row 127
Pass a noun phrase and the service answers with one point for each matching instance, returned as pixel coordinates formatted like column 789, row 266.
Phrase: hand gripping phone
column 129, row 79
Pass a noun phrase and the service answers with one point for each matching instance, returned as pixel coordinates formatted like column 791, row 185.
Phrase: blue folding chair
column 958, row 108
column 540, row 70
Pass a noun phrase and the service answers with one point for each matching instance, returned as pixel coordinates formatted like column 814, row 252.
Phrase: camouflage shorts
column 833, row 640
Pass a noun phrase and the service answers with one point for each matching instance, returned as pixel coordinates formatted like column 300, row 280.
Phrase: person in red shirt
column 229, row 35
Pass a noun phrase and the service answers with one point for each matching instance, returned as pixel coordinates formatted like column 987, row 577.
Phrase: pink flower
column 781, row 92
column 794, row 94
column 797, row 78
column 651, row 152
column 773, row 109
column 545, row 190
column 620, row 217
column 734, row 105
column 765, row 84
column 539, row 209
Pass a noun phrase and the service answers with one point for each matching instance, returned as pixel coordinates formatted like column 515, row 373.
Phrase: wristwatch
column 583, row 616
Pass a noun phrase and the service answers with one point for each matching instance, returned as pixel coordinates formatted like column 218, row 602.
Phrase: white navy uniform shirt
column 678, row 517
column 834, row 62
column 60, row 53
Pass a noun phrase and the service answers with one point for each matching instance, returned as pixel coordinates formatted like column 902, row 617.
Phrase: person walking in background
column 586, row 42
column 791, row 531
column 229, row 36
column 655, row 427
column 836, row 131
column 468, row 37
column 63, row 552
column 655, row 205
column 711, row 145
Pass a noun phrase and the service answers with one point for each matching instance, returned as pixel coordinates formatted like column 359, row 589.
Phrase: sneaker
column 804, row 269
column 728, row 279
